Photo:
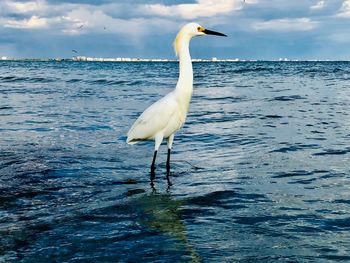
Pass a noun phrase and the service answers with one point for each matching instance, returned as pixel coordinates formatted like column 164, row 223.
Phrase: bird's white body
column 163, row 118
column 160, row 120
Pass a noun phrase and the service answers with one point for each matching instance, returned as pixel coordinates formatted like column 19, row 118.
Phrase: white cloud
column 251, row 1
column 345, row 9
column 202, row 8
column 319, row 5
column 298, row 24
column 87, row 19
column 24, row 7
column 33, row 22
column 78, row 19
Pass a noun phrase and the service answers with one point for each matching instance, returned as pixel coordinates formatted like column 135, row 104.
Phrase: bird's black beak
column 210, row 32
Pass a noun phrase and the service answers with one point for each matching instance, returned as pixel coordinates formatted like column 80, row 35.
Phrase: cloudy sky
column 257, row 29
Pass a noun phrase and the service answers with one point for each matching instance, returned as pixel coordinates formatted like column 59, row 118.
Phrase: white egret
column 164, row 117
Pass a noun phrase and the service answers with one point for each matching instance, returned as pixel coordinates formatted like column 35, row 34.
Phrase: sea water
column 260, row 170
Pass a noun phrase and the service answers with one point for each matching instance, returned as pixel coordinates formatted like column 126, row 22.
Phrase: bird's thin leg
column 168, row 167
column 168, row 161
column 153, row 165
column 158, row 140
column 153, row 174
column 170, row 144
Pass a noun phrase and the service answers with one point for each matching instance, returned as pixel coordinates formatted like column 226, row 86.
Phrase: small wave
column 40, row 129
column 273, row 116
column 74, row 80
column 6, row 108
column 98, row 81
column 41, row 80
column 295, row 147
column 247, row 70
column 335, row 258
column 287, row 98
column 332, row 152
column 15, row 79
column 253, row 220
column 336, row 224
column 107, row 82
column 303, row 181
column 220, row 198
column 292, row 174
column 230, row 99
column 342, row 201
column 132, row 192
column 317, row 132
column 8, row 79
column 86, row 128
column 136, row 82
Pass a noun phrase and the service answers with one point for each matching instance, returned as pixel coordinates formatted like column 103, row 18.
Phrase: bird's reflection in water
column 152, row 178
column 162, row 213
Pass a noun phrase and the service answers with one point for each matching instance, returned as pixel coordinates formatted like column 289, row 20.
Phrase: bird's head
column 194, row 29
column 191, row 30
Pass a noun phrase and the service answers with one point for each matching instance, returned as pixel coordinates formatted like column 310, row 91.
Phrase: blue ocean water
column 260, row 170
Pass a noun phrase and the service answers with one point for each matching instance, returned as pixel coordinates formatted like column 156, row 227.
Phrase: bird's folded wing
column 154, row 119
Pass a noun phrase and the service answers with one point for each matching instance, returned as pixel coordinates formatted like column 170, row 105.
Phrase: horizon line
column 127, row 59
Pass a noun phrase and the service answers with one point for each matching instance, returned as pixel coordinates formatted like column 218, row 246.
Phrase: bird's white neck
column 184, row 85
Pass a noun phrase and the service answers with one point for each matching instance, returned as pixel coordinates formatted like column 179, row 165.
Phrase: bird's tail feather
column 131, row 141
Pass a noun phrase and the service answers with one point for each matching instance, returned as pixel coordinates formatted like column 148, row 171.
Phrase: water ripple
column 260, row 169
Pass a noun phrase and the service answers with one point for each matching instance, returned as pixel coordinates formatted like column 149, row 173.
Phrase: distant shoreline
column 128, row 60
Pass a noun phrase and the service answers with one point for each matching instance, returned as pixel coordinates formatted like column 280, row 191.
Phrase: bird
column 166, row 116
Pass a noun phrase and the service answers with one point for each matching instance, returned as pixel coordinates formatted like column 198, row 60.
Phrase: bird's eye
column 199, row 29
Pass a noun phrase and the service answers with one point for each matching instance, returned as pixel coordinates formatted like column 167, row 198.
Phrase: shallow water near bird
column 260, row 170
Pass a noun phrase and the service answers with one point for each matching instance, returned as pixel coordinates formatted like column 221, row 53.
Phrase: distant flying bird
column 163, row 118
column 81, row 26
column 73, row 50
